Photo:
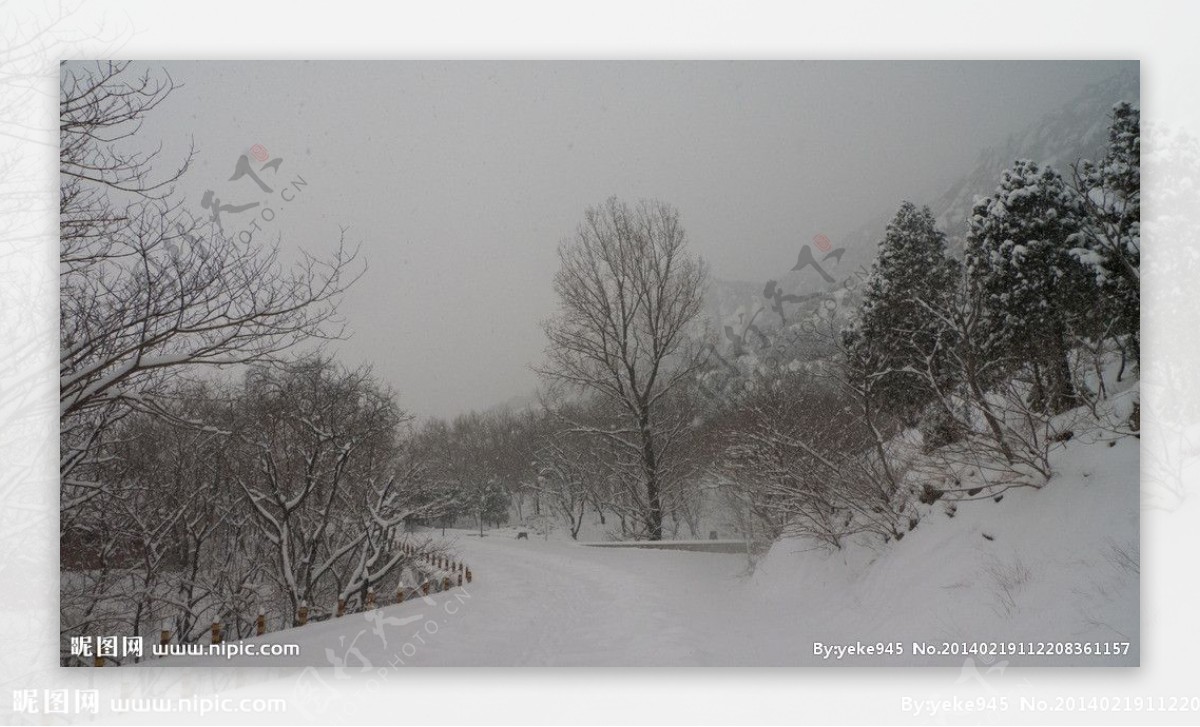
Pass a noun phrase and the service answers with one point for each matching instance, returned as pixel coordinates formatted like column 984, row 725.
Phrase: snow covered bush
column 803, row 464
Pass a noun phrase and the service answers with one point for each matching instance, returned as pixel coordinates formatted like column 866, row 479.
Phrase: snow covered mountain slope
column 1078, row 130
column 1055, row 564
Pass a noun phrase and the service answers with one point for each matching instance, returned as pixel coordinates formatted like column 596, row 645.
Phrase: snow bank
column 1056, row 564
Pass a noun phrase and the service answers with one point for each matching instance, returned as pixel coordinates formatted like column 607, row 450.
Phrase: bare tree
column 571, row 473
column 629, row 294
column 981, row 398
column 800, row 459
column 469, row 461
column 166, row 533
column 146, row 288
column 322, row 478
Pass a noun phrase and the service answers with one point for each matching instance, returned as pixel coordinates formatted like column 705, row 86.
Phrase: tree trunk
column 988, row 416
column 880, row 450
column 654, row 515
column 1121, row 371
column 1062, row 388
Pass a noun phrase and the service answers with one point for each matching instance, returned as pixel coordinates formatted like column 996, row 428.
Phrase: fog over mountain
column 1076, row 130
column 458, row 179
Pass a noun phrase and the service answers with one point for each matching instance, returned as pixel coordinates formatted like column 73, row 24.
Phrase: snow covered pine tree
column 1109, row 242
column 1036, row 292
column 895, row 335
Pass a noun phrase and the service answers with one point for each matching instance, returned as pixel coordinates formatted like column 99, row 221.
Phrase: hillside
column 1056, row 564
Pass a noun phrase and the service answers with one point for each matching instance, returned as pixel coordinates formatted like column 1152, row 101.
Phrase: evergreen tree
column 1036, row 292
column 1109, row 243
column 894, row 336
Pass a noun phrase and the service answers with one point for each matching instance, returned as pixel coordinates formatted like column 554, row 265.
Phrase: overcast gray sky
column 459, row 179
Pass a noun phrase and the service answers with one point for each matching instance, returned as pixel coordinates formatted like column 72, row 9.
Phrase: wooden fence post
column 302, row 617
column 341, row 609
column 216, row 632
column 370, row 599
column 260, row 623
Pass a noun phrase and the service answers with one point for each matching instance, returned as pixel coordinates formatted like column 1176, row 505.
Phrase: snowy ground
column 544, row 603
column 1054, row 570
column 1057, row 564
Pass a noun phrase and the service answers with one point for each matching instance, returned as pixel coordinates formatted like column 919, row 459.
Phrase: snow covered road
column 545, row 603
